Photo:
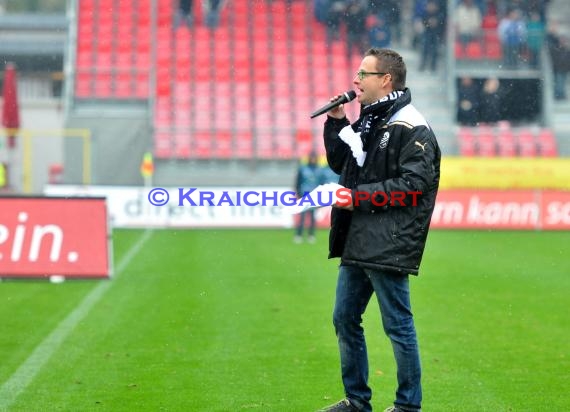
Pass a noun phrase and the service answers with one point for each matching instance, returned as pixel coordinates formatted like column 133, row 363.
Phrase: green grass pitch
column 231, row 320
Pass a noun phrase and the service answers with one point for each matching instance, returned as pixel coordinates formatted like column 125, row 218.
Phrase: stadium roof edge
column 33, row 22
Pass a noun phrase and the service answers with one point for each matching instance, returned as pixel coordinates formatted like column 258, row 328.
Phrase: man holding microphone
column 390, row 148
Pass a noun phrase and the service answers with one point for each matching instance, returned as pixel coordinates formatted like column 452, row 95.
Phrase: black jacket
column 403, row 156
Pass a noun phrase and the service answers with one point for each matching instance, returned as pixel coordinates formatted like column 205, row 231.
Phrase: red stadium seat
column 142, row 85
column 85, row 37
column 83, row 85
column 182, row 119
column 123, row 86
column 104, row 61
column 142, row 60
column 547, row 143
column 486, row 142
column 86, row 7
column 506, row 142
column 490, row 21
column 84, row 61
column 507, row 148
column 222, row 142
column 285, row 145
column 162, row 145
column 264, row 147
column 467, row 149
column 493, row 49
column 527, row 143
column 224, row 118
column 467, row 141
column 202, row 144
column 102, row 85
column 123, row 60
column 244, row 145
column 474, row 50
column 303, row 142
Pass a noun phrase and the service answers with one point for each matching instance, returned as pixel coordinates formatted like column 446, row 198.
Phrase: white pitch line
column 28, row 370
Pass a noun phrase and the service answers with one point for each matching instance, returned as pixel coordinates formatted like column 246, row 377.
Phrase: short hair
column 391, row 62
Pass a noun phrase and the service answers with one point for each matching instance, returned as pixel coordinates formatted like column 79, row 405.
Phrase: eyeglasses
column 362, row 74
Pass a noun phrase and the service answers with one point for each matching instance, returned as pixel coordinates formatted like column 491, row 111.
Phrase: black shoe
column 394, row 409
column 341, row 406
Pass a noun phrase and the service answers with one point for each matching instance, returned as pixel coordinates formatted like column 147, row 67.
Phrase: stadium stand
column 487, row 46
column 506, row 141
column 113, row 56
column 244, row 89
column 234, row 85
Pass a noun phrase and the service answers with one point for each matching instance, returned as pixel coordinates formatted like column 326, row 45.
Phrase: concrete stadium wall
column 119, row 139
column 193, row 173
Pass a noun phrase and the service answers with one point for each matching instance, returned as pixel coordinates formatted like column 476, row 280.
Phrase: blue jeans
column 354, row 289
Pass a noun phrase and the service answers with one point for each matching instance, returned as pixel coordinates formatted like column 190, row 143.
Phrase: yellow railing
column 27, row 136
column 505, row 173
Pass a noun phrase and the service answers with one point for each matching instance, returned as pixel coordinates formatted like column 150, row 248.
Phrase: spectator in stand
column 379, row 34
column 490, row 107
column 512, row 33
column 481, row 5
column 535, row 32
column 334, row 15
column 504, row 6
column 418, row 25
column 521, row 5
column 538, row 6
column 355, row 18
column 184, row 13
column 433, row 28
column 468, row 102
column 442, row 6
column 394, row 19
column 390, row 10
column 320, row 11
column 559, row 49
column 469, row 21
column 213, row 8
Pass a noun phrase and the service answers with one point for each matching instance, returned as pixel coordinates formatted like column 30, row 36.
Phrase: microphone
column 345, row 98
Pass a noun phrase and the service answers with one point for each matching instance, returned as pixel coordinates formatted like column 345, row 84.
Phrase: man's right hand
column 337, row 112
column 344, row 199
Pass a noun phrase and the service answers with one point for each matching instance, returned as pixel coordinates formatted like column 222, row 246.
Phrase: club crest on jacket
column 384, row 140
